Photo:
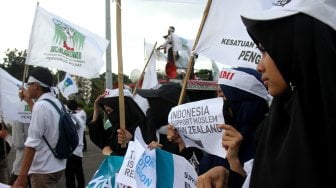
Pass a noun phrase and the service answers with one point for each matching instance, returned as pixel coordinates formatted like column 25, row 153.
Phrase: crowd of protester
column 282, row 142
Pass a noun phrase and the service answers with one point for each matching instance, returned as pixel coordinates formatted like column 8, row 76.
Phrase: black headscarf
column 247, row 111
column 297, row 142
column 161, row 101
column 133, row 117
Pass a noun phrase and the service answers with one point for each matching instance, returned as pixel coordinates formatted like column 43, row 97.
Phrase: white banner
column 174, row 171
column 197, row 122
column 144, row 168
column 139, row 167
column 67, row 86
column 127, row 172
column 224, row 37
column 11, row 107
column 57, row 43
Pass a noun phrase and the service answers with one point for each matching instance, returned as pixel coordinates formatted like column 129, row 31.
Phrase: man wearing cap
column 43, row 168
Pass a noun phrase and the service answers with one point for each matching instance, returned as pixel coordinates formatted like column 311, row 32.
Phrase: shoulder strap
column 55, row 106
column 59, row 111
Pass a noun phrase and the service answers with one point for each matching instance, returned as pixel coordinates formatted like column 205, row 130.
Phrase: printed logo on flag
column 67, row 82
column 67, row 39
column 26, row 108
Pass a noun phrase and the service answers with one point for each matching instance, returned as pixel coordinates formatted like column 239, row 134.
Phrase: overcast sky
column 141, row 20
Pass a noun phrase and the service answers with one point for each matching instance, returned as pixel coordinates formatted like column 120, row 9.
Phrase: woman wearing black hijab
column 161, row 101
column 112, row 135
column 297, row 140
column 245, row 106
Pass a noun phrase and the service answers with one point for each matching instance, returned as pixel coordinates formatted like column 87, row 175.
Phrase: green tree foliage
column 14, row 62
column 204, row 74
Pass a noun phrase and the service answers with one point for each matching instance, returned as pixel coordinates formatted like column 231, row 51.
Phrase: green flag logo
column 67, row 37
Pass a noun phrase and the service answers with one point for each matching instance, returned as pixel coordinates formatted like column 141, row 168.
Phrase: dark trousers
column 73, row 171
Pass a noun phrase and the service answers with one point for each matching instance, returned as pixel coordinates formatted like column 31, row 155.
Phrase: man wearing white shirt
column 43, row 168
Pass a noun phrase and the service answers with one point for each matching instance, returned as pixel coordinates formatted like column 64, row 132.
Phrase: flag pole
column 120, row 68
column 108, row 74
column 25, row 72
column 26, row 67
column 143, row 70
column 191, row 59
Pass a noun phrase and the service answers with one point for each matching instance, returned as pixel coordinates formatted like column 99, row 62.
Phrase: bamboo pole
column 191, row 59
column 25, row 72
column 143, row 70
column 120, row 68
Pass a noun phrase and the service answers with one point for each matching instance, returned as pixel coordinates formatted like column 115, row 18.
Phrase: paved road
column 91, row 160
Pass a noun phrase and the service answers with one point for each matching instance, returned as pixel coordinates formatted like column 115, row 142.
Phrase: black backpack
column 68, row 137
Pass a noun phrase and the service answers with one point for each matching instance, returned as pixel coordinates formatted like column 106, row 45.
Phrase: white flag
column 11, row 107
column 150, row 78
column 224, row 37
column 67, row 86
column 57, row 43
column 183, row 46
